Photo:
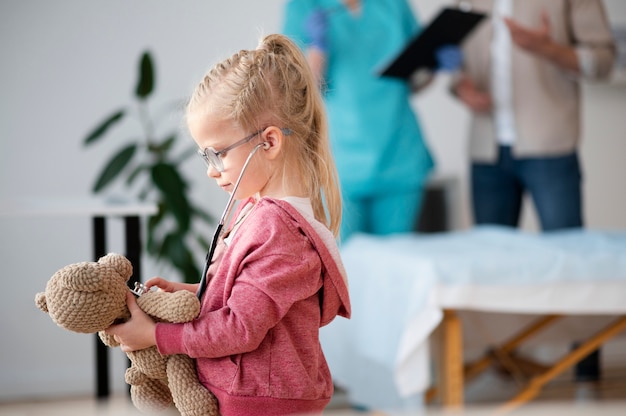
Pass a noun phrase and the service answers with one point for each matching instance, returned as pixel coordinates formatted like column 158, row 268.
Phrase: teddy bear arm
column 150, row 362
column 151, row 397
column 175, row 307
column 134, row 377
column 190, row 396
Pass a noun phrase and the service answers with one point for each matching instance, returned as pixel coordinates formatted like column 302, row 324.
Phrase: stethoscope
column 220, row 225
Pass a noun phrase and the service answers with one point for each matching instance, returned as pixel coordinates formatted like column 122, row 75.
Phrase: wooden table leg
column 503, row 351
column 534, row 387
column 451, row 360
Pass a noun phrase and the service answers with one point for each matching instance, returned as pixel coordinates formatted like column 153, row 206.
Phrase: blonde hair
column 274, row 84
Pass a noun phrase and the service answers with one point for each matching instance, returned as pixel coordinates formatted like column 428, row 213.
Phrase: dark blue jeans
column 554, row 183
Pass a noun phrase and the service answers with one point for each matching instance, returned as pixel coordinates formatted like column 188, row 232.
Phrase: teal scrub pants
column 381, row 214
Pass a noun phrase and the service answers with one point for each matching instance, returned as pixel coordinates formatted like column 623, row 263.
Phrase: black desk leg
column 133, row 247
column 102, row 353
column 133, row 252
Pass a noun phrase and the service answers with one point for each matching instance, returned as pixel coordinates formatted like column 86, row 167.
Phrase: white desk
column 98, row 209
column 402, row 288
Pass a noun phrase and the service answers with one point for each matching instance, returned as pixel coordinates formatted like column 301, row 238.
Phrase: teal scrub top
column 375, row 136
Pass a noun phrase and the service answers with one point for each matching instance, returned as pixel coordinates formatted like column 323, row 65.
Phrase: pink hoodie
column 256, row 340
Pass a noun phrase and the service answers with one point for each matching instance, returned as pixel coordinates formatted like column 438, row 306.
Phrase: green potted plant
column 150, row 167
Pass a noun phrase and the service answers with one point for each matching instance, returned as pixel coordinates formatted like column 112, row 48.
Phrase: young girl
column 276, row 276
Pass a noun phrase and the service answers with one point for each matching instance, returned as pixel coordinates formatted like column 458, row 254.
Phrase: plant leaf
column 152, row 243
column 167, row 144
column 208, row 218
column 191, row 151
column 203, row 242
column 157, row 219
column 103, row 127
column 178, row 253
column 161, row 149
column 170, row 183
column 145, row 84
column 112, row 169
column 135, row 173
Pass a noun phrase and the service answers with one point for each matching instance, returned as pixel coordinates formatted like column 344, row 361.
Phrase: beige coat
column 546, row 98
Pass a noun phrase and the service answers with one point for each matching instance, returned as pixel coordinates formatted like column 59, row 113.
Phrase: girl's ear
column 273, row 138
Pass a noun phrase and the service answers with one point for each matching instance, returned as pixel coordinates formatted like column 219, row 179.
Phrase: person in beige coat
column 521, row 81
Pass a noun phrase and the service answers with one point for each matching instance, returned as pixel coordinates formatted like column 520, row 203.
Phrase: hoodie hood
column 335, row 295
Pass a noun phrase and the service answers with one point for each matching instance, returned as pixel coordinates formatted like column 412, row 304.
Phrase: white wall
column 66, row 64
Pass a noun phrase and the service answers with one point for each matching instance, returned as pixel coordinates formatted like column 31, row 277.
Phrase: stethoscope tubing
column 220, row 225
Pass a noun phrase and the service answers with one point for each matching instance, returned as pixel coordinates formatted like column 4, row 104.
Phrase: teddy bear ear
column 40, row 301
column 120, row 263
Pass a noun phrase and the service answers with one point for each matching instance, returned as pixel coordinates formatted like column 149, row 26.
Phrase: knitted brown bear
column 89, row 297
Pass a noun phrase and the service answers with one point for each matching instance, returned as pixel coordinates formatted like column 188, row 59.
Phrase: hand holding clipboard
column 449, row 27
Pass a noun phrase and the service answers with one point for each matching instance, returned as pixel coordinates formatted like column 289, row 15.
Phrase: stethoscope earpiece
column 266, row 145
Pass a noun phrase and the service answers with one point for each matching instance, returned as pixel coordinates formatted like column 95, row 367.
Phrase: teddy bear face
column 87, row 297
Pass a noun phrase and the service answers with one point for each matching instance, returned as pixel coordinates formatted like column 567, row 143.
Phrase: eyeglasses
column 214, row 159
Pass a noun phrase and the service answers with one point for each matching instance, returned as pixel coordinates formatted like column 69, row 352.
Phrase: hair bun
column 274, row 43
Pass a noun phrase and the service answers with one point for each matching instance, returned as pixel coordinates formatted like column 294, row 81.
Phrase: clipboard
column 449, row 27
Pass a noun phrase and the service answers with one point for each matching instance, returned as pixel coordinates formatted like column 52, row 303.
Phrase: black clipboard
column 449, row 27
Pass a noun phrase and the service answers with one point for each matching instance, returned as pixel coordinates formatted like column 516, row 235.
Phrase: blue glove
column 315, row 27
column 449, row 58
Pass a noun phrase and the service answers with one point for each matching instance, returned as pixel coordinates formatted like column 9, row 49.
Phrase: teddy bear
column 89, row 297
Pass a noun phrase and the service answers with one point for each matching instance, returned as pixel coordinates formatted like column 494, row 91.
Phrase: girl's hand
column 138, row 332
column 168, row 286
column 164, row 285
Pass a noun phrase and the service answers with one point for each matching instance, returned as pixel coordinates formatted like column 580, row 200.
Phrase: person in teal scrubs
column 381, row 155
